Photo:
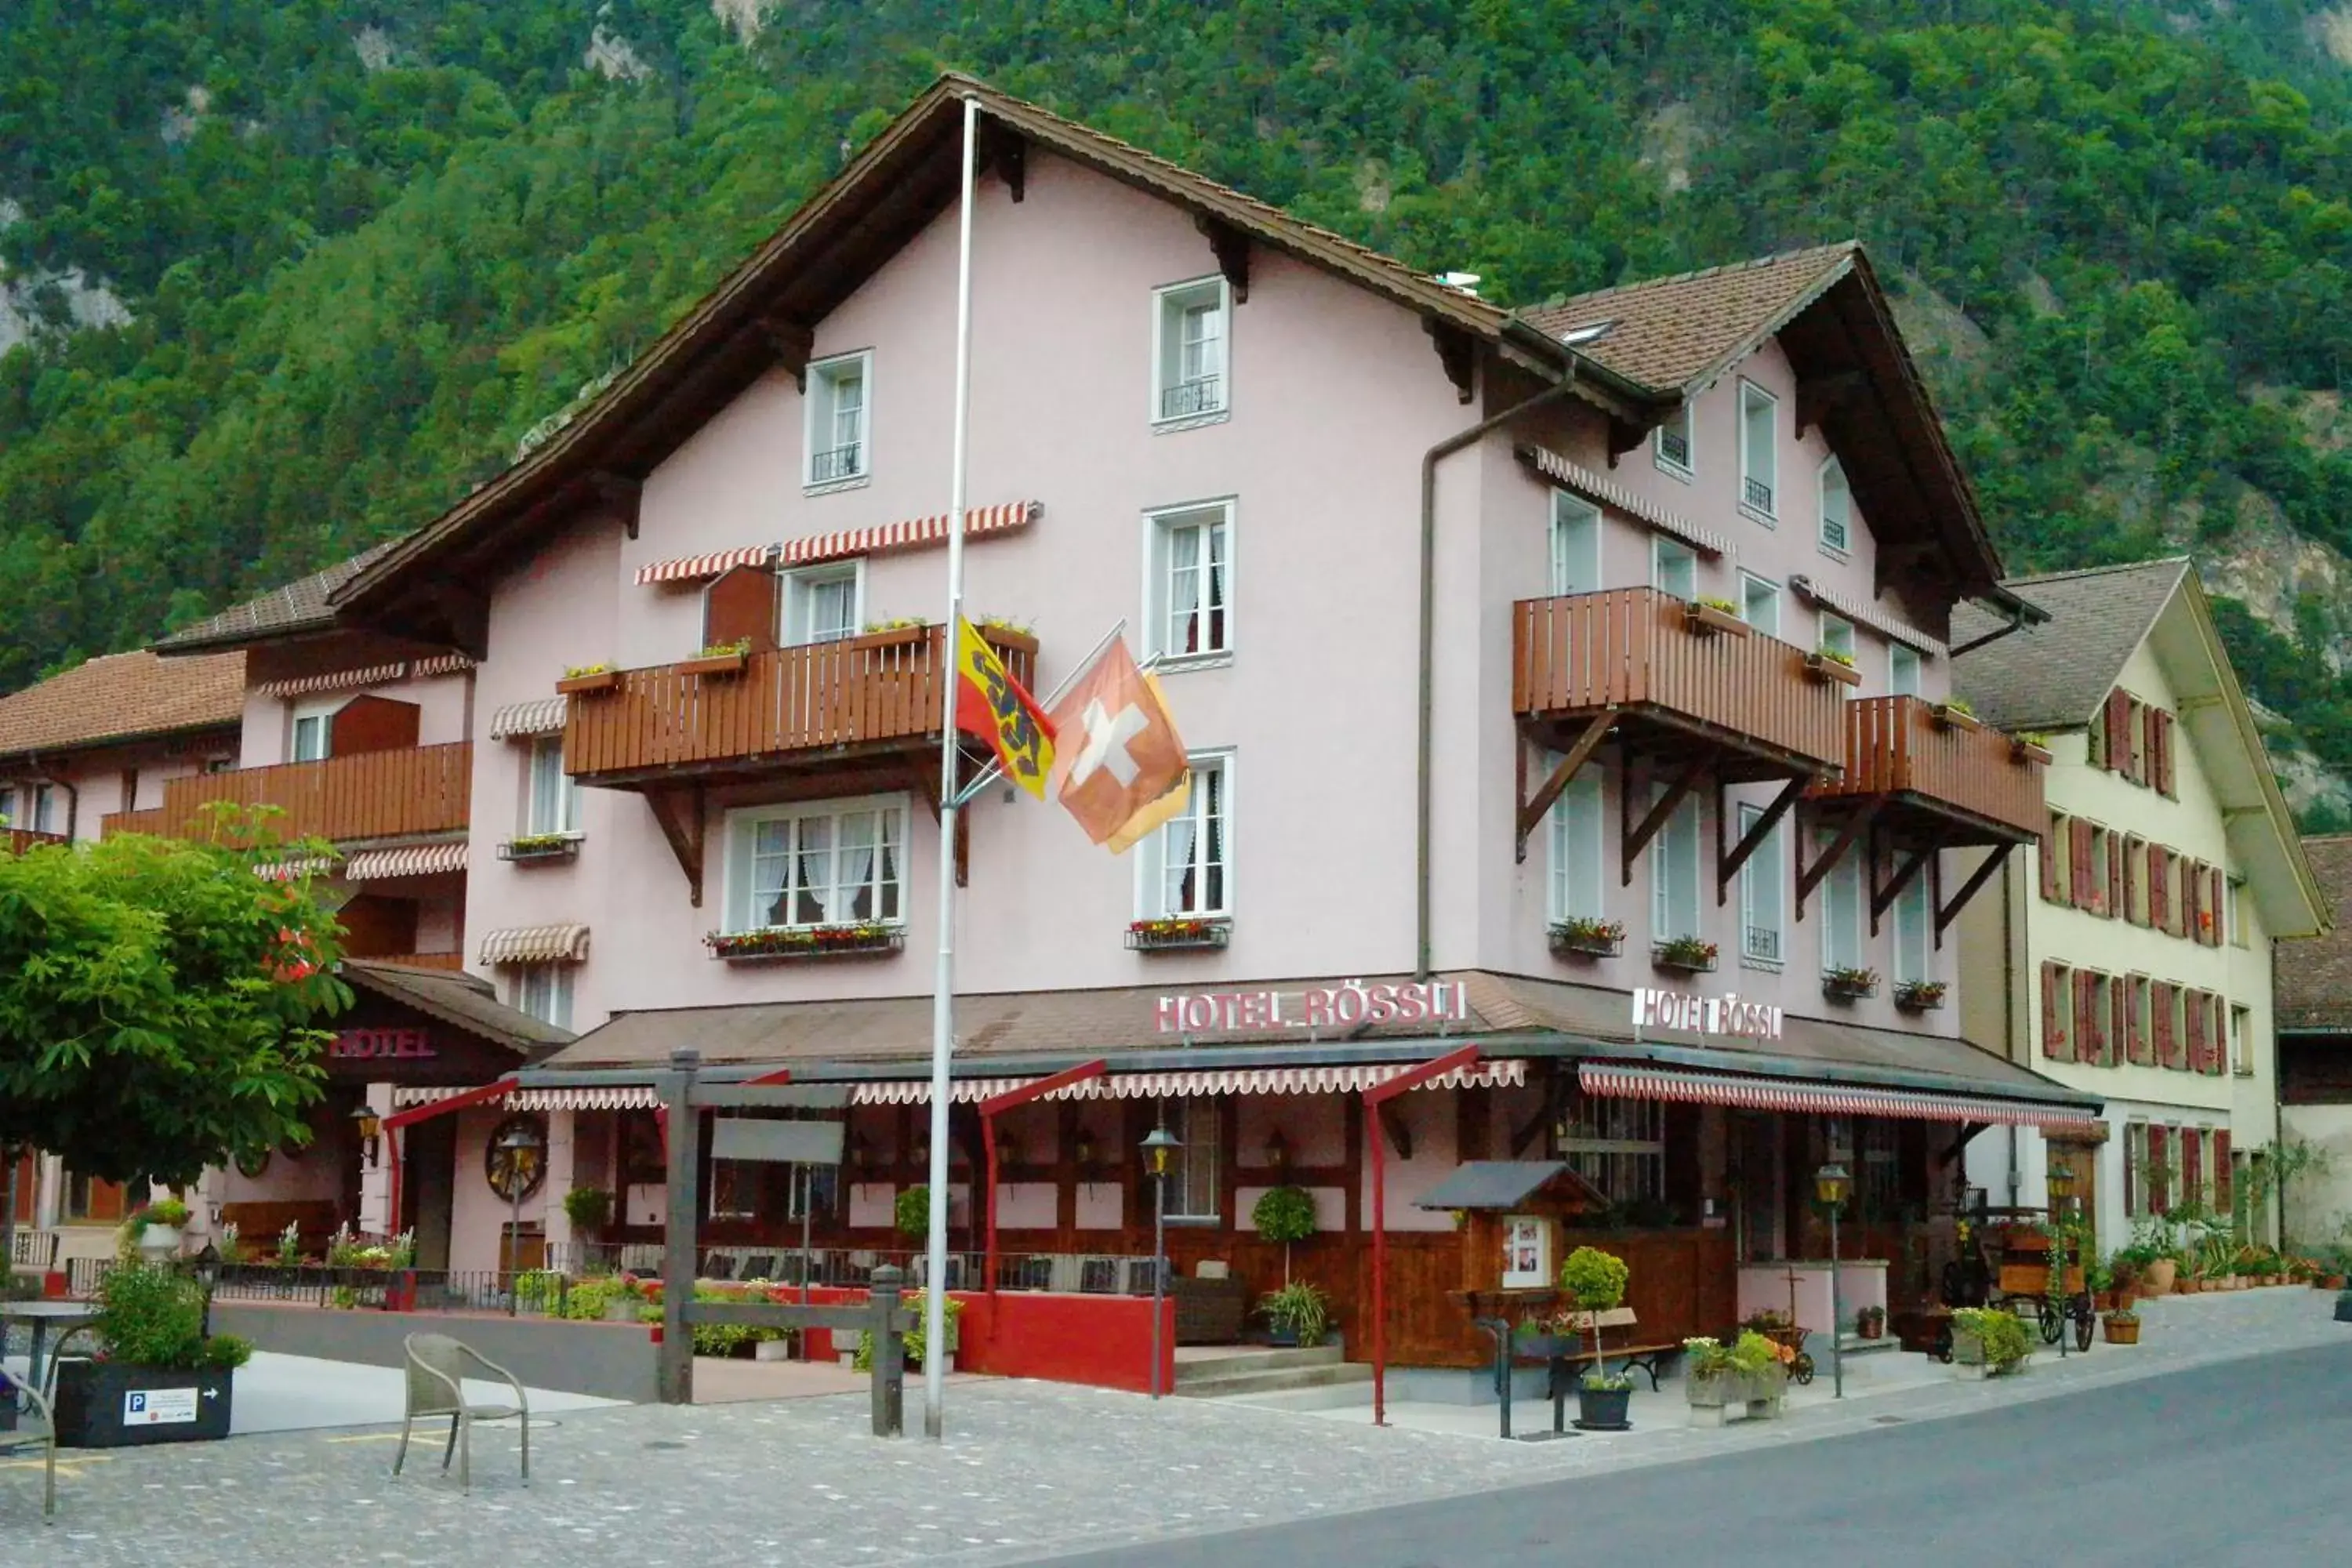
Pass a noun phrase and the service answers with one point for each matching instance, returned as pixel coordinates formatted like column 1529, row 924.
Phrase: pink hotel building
column 1541, row 670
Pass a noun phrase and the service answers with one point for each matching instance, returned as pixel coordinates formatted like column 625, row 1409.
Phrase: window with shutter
column 2192, row 1166
column 2135, row 881
column 2193, row 1009
column 2156, row 739
column 2159, row 913
column 2159, row 1170
column 2048, row 851
column 2118, row 736
column 2192, row 899
column 2160, row 1001
column 2135, row 737
column 2136, row 1040
column 2168, row 775
column 2078, row 879
column 2217, row 903
column 2057, row 1036
column 2118, row 1020
column 2115, row 905
column 2225, row 1194
column 2086, row 1037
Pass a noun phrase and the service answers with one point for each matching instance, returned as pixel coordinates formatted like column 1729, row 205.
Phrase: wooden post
column 889, row 1361
column 674, row 1369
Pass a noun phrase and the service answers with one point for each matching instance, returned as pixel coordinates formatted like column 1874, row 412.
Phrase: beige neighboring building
column 2129, row 953
column 2315, row 1029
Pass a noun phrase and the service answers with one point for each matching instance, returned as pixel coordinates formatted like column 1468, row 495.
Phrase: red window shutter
column 2137, row 717
column 2161, row 1002
column 105, row 1200
column 2164, row 776
column 2079, row 879
column 2050, row 852
column 2118, row 1020
column 2192, row 1164
column 2159, row 893
column 2159, row 1200
column 2192, row 900
column 2056, row 1042
column 2117, row 730
column 2224, row 1194
column 2195, row 1010
column 2131, row 1177
column 2115, row 905
column 27, row 1173
column 2217, row 904
column 2132, row 851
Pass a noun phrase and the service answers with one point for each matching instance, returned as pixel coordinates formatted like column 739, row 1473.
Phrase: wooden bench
column 1619, row 1343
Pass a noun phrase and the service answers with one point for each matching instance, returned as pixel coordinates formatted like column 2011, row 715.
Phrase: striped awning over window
column 286, row 871
column 620, row 1096
column 417, row 860
column 372, row 675
column 1602, row 491
column 695, row 568
column 519, row 719
column 1869, row 615
column 1820, row 1099
column 910, row 534
column 1186, row 1085
column 536, row 944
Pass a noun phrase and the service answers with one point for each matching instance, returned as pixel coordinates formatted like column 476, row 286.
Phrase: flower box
column 718, row 665
column 2027, row 751
column 1821, row 667
column 588, row 684
column 1849, row 985
column 1919, row 996
column 1178, row 935
column 537, row 846
column 1685, row 955
column 785, row 945
column 892, row 637
column 1951, row 718
column 1715, row 1398
column 1588, row 939
column 1006, row 639
column 1707, row 621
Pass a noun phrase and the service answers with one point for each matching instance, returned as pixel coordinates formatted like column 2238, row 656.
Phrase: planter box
column 1913, row 1000
column 526, row 854
column 718, row 665
column 1680, row 963
column 588, row 685
column 1205, row 934
column 888, row 942
column 1951, row 718
column 2119, row 1334
column 1707, row 621
column 895, row 636
column 1978, row 1371
column 1849, row 989
column 1823, row 667
column 1568, row 945
column 1716, row 1400
column 112, row 1405
column 2027, row 751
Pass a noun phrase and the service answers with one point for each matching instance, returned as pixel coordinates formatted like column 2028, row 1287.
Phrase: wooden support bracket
column 1624, row 437
column 1232, row 248
column 1881, row 899
column 1727, row 866
column 1960, row 1145
column 679, row 813
column 792, row 341
column 1948, row 912
column 1533, row 807
column 1634, row 838
column 622, row 495
column 1457, row 353
column 1810, row 878
column 1003, row 150
column 1819, row 396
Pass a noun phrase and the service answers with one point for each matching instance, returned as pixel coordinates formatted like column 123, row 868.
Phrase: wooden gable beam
column 1232, row 248
column 1819, row 395
column 679, row 813
column 1727, row 866
column 1810, row 878
column 621, row 495
column 1533, row 807
column 1948, row 912
column 1624, row 437
column 1457, row 353
column 1634, row 838
column 792, row 342
column 1003, row 150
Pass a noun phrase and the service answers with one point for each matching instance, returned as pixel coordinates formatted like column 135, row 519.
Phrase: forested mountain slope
column 287, row 276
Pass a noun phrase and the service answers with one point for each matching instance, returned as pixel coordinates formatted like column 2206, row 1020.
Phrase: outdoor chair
column 39, row 1431
column 436, row 1387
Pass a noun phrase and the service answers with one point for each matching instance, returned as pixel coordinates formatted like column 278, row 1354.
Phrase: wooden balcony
column 16, row 840
column 1952, row 779
column 1636, row 656
column 354, row 799
column 828, row 708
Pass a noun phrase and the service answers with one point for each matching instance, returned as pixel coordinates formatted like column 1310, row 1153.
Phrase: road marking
column 369, row 1437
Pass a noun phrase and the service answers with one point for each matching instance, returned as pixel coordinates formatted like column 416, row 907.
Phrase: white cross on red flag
column 1121, row 761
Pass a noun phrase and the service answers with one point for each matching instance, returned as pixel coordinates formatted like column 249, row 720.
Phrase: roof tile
column 2314, row 975
column 123, row 697
column 300, row 604
column 2055, row 675
column 1669, row 332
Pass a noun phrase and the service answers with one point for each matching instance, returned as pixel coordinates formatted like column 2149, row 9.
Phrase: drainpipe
column 1429, row 461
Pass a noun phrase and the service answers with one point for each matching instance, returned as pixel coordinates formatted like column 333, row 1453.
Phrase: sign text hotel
column 1726, row 1014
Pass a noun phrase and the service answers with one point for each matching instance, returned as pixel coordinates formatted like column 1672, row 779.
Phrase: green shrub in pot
column 1298, row 1312
column 1284, row 1215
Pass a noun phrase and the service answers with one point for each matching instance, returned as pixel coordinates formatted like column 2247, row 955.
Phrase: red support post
column 416, row 1113
column 988, row 1144
column 1379, row 1094
column 1051, row 1084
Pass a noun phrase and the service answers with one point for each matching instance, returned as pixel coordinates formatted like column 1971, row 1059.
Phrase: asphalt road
column 2244, row 1462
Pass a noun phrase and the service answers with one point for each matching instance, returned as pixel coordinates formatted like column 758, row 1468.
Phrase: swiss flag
column 1123, row 766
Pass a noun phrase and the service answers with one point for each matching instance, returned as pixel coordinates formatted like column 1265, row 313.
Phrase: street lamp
column 1831, row 1184
column 2060, row 1181
column 369, row 1126
column 518, row 1142
column 1157, row 1148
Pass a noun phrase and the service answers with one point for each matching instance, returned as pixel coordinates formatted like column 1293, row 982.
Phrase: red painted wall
column 1102, row 1341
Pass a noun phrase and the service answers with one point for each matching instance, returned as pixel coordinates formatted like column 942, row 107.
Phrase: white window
column 1191, row 323
column 1674, row 568
column 2241, row 1041
column 1672, row 443
column 1759, row 463
column 823, row 604
column 1837, row 636
column 1579, row 834
column 1186, row 866
column 1842, row 911
column 553, row 805
column 1618, row 1145
column 1674, row 874
column 2231, row 918
column 735, row 1188
column 44, row 814
column 842, row 863
column 1191, row 591
column 838, row 394
column 1761, row 878
column 1759, row 604
column 543, row 991
column 1902, row 670
column 1575, row 545
column 1913, row 925
column 1192, row 1169
column 314, row 730
column 1837, row 509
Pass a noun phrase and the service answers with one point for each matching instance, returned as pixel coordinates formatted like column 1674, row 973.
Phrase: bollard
column 1500, row 1328
column 889, row 1360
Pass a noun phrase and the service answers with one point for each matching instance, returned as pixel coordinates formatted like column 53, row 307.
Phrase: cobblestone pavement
column 1030, row 1470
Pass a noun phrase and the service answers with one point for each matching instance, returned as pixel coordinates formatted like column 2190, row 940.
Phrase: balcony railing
column 1756, row 493
column 1675, row 448
column 1202, row 394
column 370, row 795
column 840, row 463
column 1897, row 746
column 16, row 840
column 1636, row 650
column 784, row 706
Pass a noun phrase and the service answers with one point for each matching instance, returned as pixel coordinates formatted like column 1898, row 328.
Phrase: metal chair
column 42, row 1435
column 436, row 1372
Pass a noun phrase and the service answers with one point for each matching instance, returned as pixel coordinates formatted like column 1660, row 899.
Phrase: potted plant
column 1710, row 615
column 1284, row 1215
column 157, row 1377
column 1989, row 1342
column 1919, row 996
column 1687, row 954
column 719, row 659
column 784, row 943
column 525, row 847
column 153, row 1231
column 1594, row 1281
column 1870, row 1322
column 588, row 1209
column 1177, row 932
column 2122, row 1328
column 910, row 1212
column 1750, row 1375
column 2030, row 746
column 1841, row 984
column 1955, row 714
column 582, row 679
column 1832, row 664
column 1588, row 935
column 1298, row 1314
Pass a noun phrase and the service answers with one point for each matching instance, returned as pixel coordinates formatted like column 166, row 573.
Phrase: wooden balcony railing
column 1634, row 649
column 874, row 690
column 16, row 840
column 1897, row 746
column 371, row 794
column 419, row 960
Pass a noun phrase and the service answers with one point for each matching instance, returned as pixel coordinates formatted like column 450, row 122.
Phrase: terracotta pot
column 2120, row 1334
column 2160, row 1276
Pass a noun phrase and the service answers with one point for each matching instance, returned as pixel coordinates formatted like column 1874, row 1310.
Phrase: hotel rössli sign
column 1725, row 1015
column 1317, row 1007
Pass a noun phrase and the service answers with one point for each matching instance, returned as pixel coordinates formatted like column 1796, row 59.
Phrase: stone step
column 1277, row 1379
column 1270, row 1359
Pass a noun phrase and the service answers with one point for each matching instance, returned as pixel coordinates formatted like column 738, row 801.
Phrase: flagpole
column 935, row 1277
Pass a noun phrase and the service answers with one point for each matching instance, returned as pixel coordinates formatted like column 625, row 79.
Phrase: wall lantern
column 370, row 1127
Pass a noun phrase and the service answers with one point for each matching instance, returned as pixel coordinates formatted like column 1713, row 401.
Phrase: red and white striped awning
column 371, row 675
column 1574, row 475
column 1208, row 1080
column 914, row 534
column 517, row 720
column 612, row 1097
column 1820, row 1099
column 416, row 860
column 695, row 568
column 286, row 871
column 536, row 944
column 1869, row 615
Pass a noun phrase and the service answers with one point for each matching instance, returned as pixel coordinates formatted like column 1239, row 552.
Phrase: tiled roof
column 121, row 697
column 465, row 1001
column 299, row 604
column 2315, row 976
column 1670, row 332
column 2055, row 675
